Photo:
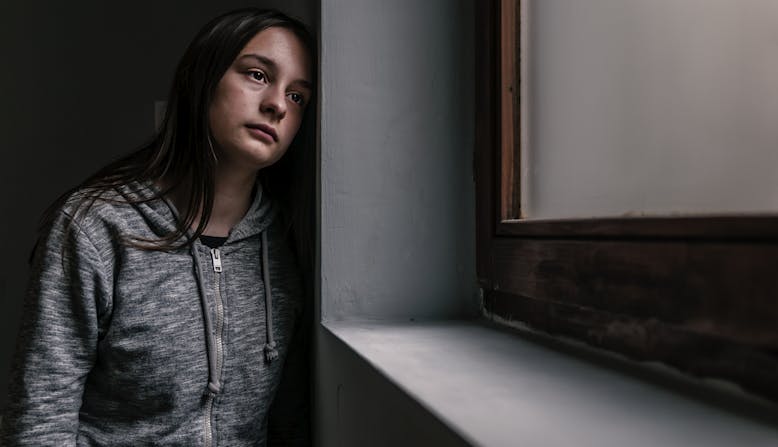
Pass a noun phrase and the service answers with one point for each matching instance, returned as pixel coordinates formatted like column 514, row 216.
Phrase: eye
column 297, row 98
column 258, row 76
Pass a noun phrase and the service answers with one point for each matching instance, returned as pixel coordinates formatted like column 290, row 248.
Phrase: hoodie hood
column 161, row 215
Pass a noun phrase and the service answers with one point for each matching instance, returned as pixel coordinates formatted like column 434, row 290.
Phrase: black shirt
column 213, row 241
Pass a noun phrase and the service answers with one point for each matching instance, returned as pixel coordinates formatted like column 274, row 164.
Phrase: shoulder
column 104, row 203
column 106, row 217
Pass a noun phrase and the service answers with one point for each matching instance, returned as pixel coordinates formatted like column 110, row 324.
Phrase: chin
column 254, row 154
column 265, row 161
column 260, row 156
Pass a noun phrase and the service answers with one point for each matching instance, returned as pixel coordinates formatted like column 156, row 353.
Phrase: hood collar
column 161, row 215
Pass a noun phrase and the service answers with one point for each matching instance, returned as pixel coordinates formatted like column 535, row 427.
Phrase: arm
column 57, row 341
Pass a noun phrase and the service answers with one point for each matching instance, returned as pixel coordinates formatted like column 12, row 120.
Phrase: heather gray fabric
column 114, row 350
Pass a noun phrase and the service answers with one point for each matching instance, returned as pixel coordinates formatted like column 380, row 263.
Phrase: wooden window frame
column 697, row 293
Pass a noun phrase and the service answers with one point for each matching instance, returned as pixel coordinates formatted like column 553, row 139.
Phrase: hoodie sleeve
column 57, row 341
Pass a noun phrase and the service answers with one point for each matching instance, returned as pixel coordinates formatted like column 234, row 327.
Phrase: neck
column 231, row 200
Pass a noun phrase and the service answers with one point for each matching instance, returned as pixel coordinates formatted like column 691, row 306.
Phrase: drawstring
column 270, row 347
column 213, row 384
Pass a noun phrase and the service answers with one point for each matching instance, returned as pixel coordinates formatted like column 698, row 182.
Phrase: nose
column 274, row 103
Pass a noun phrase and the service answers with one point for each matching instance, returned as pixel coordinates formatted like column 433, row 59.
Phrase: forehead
column 284, row 48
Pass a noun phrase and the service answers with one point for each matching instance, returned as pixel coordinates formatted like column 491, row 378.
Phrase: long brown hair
column 181, row 152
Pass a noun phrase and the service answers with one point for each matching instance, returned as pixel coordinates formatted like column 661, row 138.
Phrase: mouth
column 263, row 131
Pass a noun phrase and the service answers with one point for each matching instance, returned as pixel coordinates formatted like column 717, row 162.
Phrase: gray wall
column 78, row 86
column 397, row 206
column 397, row 199
column 651, row 107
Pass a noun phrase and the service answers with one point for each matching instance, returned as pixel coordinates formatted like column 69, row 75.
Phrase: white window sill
column 495, row 388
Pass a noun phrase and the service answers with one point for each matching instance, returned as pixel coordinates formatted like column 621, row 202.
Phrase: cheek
column 229, row 99
column 225, row 115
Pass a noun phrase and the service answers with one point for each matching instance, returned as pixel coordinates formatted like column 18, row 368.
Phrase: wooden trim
column 705, row 307
column 723, row 289
column 508, row 97
column 486, row 183
column 754, row 227
column 697, row 354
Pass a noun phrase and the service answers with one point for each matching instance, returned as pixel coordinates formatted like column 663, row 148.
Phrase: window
column 697, row 292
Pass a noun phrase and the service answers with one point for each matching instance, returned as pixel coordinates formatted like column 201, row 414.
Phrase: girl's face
column 259, row 102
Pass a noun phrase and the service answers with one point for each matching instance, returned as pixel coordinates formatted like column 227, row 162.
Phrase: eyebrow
column 270, row 63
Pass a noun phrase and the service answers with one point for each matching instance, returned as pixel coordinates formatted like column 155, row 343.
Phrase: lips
column 263, row 131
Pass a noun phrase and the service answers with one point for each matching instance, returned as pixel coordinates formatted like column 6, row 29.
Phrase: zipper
column 208, row 412
column 217, row 268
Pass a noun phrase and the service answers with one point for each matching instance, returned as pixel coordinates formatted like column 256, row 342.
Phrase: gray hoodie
column 125, row 347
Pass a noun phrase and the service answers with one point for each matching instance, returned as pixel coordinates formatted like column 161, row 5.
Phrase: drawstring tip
column 270, row 351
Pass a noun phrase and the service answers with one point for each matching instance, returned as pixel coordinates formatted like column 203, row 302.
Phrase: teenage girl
column 166, row 295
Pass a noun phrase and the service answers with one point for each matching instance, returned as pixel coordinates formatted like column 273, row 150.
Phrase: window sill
column 495, row 388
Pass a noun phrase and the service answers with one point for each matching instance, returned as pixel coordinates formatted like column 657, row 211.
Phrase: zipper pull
column 217, row 260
